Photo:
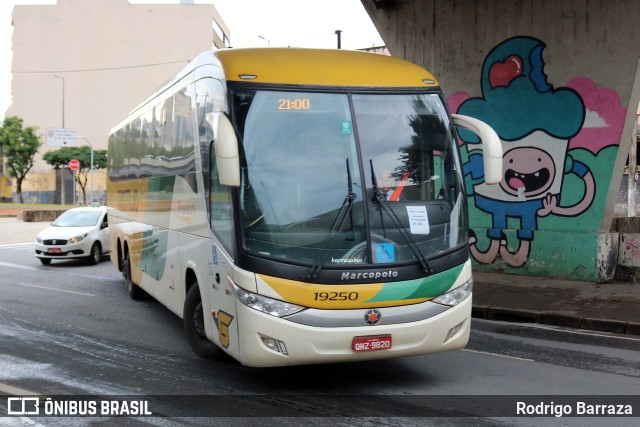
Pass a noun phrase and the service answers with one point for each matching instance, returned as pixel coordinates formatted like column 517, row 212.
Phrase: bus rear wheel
column 133, row 290
column 193, row 319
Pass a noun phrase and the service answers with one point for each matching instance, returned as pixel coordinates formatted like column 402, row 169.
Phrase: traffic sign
column 61, row 137
column 74, row 164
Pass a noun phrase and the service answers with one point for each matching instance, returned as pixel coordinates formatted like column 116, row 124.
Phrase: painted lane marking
column 67, row 272
column 499, row 355
column 56, row 289
column 16, row 391
column 17, row 245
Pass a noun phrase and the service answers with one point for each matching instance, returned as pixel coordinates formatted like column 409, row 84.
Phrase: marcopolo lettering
column 352, row 275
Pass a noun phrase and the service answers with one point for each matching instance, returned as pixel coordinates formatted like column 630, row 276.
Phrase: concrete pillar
column 559, row 81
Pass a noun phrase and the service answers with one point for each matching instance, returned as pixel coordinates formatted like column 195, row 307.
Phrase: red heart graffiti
column 502, row 73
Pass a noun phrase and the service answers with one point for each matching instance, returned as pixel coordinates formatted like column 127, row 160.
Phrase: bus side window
column 220, row 205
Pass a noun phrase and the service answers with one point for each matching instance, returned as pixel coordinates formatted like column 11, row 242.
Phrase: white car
column 79, row 233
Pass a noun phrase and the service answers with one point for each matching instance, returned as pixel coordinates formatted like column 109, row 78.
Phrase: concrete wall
column 43, row 187
column 559, row 82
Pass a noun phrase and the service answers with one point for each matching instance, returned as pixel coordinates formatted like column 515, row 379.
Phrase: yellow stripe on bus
column 332, row 296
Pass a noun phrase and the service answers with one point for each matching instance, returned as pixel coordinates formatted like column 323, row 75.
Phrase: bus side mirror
column 491, row 146
column 226, row 147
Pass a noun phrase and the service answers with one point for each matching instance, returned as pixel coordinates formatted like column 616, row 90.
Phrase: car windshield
column 77, row 219
column 335, row 179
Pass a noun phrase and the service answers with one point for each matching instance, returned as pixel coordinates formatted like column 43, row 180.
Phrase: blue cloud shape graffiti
column 523, row 102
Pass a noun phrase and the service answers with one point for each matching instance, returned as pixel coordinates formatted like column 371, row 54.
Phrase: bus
column 298, row 206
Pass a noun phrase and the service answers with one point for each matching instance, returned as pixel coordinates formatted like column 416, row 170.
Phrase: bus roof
column 304, row 67
column 321, row 67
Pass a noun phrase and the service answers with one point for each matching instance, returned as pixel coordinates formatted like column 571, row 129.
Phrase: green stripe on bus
column 426, row 287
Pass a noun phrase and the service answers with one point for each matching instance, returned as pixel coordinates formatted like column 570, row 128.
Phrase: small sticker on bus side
column 347, row 128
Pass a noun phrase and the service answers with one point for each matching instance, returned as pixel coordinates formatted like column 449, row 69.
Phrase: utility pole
column 62, row 198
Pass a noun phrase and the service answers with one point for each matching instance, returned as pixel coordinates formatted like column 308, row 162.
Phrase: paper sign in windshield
column 418, row 219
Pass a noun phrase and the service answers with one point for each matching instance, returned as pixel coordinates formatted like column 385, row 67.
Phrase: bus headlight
column 456, row 296
column 266, row 305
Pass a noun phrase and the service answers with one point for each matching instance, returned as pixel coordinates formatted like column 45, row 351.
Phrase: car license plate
column 53, row 250
column 371, row 343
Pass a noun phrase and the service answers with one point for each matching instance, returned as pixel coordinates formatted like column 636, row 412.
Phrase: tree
column 59, row 159
column 19, row 146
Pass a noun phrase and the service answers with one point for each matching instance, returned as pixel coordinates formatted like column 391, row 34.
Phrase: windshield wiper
column 345, row 210
column 377, row 195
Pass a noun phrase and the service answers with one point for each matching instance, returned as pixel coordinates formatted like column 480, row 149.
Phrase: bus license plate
column 53, row 250
column 371, row 343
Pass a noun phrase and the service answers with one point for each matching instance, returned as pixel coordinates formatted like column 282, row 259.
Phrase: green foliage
column 19, row 146
column 60, row 159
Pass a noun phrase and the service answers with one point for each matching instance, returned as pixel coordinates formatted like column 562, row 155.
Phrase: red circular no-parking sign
column 74, row 164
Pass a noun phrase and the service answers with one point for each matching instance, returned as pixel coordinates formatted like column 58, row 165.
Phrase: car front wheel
column 96, row 254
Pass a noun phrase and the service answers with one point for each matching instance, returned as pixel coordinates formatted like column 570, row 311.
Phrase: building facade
column 84, row 64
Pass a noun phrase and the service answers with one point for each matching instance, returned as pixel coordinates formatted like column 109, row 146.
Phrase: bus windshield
column 338, row 180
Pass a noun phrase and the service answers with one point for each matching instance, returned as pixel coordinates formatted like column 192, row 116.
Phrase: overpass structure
column 559, row 81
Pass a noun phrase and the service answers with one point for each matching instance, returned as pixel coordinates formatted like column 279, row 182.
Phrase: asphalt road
column 70, row 329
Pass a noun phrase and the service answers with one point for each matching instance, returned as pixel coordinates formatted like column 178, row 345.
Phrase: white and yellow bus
column 298, row 206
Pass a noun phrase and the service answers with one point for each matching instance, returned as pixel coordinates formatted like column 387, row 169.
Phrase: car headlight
column 38, row 239
column 266, row 305
column 76, row 239
column 455, row 296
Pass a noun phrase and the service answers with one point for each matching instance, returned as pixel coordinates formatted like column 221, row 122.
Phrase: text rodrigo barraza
column 577, row 409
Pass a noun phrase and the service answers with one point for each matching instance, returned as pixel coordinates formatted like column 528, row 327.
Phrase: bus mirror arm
column 226, row 147
column 491, row 146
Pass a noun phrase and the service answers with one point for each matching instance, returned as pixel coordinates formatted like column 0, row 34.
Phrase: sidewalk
column 610, row 307
column 13, row 231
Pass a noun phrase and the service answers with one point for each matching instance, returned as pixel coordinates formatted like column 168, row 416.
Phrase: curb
column 553, row 318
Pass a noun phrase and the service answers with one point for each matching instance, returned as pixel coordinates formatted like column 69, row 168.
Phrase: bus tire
column 133, row 290
column 193, row 320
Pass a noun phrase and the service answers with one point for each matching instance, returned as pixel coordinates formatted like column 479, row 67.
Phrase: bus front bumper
column 266, row 341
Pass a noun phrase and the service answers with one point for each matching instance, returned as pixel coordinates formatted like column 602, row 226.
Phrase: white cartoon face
column 528, row 172
column 532, row 167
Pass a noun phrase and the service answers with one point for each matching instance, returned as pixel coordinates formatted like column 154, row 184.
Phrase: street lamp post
column 265, row 39
column 62, row 198
column 61, row 78
column 90, row 169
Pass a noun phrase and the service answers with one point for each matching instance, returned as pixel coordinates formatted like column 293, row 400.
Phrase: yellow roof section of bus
column 320, row 67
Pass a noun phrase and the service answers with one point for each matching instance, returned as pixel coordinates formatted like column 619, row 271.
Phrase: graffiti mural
column 559, row 144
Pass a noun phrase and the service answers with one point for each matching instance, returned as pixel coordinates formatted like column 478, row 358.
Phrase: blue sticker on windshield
column 385, row 252
column 347, row 128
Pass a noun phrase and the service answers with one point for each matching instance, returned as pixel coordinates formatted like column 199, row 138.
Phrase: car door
column 104, row 233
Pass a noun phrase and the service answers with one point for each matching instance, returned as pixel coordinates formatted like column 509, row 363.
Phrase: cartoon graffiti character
column 535, row 123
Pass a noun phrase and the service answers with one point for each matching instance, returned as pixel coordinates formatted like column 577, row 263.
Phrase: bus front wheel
column 193, row 319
